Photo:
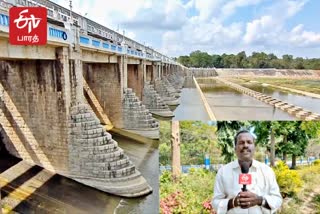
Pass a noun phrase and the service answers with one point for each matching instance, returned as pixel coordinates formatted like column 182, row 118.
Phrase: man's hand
column 248, row 199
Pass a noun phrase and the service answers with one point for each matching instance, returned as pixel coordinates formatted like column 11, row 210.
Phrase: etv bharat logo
column 28, row 26
column 245, row 179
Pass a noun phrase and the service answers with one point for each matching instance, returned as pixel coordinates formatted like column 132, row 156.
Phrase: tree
column 259, row 60
column 175, row 145
column 266, row 130
column 226, row 132
column 295, row 139
column 269, row 131
column 287, row 61
column 241, row 59
column 197, row 139
column 298, row 63
column 217, row 61
column 298, row 140
column 184, row 60
column 200, row 59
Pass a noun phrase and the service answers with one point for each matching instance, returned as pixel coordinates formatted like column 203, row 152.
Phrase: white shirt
column 263, row 184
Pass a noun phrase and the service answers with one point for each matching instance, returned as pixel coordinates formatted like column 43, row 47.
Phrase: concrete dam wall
column 269, row 72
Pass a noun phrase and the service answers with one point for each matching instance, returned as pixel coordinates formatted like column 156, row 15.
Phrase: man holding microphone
column 246, row 186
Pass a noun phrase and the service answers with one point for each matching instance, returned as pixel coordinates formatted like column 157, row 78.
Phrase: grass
column 307, row 85
column 316, row 200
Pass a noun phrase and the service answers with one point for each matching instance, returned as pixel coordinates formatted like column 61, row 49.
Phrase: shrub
column 192, row 193
column 316, row 163
column 288, row 180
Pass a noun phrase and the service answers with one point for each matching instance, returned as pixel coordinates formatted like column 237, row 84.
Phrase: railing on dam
column 92, row 34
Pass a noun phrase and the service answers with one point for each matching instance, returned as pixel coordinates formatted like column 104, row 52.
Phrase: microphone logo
column 245, row 179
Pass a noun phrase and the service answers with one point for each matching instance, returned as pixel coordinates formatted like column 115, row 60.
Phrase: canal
column 191, row 106
column 58, row 194
column 229, row 104
column 309, row 103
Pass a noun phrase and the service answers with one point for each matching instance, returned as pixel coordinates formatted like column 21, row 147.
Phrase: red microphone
column 245, row 178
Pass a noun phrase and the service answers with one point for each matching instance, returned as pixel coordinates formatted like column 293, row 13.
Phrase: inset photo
column 239, row 167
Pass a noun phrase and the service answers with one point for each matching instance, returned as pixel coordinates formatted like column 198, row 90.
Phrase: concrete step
column 96, row 141
column 103, row 158
column 101, row 149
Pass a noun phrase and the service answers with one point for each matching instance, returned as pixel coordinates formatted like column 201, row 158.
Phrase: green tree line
column 201, row 59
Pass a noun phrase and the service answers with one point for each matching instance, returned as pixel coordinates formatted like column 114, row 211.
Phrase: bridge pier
column 159, row 65
column 151, row 99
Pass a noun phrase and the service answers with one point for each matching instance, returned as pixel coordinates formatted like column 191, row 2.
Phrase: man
column 262, row 195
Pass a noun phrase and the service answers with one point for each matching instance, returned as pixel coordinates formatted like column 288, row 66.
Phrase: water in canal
column 309, row 103
column 191, row 106
column 62, row 195
column 229, row 104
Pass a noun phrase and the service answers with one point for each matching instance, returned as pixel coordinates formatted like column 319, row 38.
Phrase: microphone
column 245, row 178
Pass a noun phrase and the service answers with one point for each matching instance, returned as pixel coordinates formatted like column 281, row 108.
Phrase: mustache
column 249, row 150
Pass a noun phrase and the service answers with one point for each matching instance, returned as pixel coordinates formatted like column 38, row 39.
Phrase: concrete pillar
column 75, row 54
column 159, row 70
column 62, row 54
column 162, row 70
column 154, row 71
column 125, row 71
column 77, row 77
column 144, row 70
column 123, row 68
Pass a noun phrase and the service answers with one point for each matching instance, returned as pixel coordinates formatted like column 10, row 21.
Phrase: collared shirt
column 263, row 184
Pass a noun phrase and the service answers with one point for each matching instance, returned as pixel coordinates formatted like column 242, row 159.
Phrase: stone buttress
column 137, row 118
column 167, row 92
column 152, row 100
column 96, row 160
column 176, row 81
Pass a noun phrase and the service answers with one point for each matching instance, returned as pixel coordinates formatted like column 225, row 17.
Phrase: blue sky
column 178, row 27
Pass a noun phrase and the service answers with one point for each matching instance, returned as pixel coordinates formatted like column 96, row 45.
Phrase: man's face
column 245, row 147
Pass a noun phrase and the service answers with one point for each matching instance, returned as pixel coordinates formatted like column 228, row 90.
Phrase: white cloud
column 206, row 37
column 178, row 27
column 260, row 30
column 231, row 6
column 302, row 38
column 285, row 9
column 270, row 30
column 161, row 15
column 208, row 8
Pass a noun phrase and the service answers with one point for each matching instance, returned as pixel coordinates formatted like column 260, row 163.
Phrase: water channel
column 309, row 103
column 191, row 106
column 229, row 104
column 63, row 195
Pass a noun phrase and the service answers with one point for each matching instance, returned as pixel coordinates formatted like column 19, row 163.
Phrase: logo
column 245, row 179
column 28, row 26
